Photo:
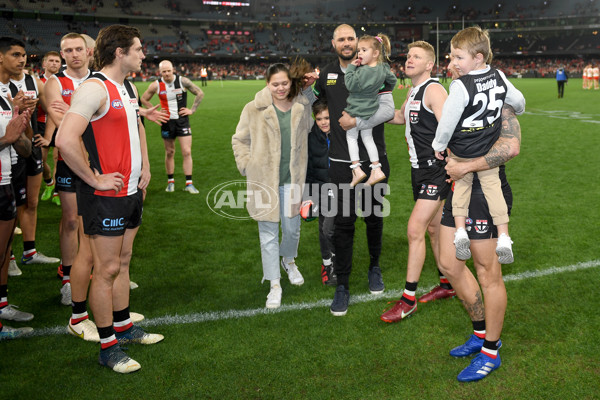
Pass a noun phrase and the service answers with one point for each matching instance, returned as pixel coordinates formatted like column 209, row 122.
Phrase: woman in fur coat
column 270, row 146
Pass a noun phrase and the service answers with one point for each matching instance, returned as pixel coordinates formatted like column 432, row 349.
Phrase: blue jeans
column 268, row 232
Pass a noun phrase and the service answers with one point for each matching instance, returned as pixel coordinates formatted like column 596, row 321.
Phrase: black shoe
column 328, row 277
column 376, row 285
column 339, row 306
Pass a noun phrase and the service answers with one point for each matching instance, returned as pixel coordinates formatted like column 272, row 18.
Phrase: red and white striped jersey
column 67, row 85
column 173, row 96
column 112, row 139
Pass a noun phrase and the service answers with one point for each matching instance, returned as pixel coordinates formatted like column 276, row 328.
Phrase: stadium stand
column 192, row 32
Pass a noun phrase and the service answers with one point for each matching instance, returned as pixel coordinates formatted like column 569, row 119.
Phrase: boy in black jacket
column 316, row 178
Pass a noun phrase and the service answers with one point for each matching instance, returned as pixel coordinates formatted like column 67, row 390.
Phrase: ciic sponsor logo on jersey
column 481, row 225
column 6, row 114
column 432, row 190
column 414, row 117
column 117, row 104
column 162, row 93
column 67, row 92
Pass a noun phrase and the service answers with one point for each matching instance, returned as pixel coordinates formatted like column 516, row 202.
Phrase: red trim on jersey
column 162, row 95
column 112, row 138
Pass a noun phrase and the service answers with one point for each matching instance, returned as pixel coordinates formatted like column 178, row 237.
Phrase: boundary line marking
column 354, row 299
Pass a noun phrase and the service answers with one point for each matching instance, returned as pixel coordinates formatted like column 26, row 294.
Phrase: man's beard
column 346, row 58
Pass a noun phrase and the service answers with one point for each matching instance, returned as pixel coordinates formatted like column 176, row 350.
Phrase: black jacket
column 318, row 156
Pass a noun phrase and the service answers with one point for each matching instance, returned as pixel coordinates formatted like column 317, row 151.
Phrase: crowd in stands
column 315, row 10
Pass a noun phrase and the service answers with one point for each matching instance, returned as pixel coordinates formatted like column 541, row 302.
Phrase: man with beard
column 331, row 87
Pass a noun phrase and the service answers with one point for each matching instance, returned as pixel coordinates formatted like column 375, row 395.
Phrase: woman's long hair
column 295, row 73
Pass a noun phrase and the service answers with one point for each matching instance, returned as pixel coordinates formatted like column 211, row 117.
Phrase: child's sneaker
column 463, row 244
column 504, row 249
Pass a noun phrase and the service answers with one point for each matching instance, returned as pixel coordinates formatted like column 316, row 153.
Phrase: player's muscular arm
column 147, row 96
column 196, row 91
column 52, row 95
column 506, row 147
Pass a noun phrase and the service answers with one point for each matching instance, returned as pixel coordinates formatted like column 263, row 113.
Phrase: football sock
column 29, row 248
column 121, row 319
column 409, row 293
column 444, row 281
column 49, row 181
column 275, row 282
column 79, row 312
column 107, row 337
column 3, row 294
column 479, row 329
column 490, row 348
column 327, row 262
column 66, row 274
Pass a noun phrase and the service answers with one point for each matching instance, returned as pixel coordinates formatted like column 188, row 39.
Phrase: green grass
column 188, row 260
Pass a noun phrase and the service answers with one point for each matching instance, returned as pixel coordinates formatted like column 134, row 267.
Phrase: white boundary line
column 354, row 299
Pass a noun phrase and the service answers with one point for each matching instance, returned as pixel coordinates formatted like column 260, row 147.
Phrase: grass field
column 199, row 277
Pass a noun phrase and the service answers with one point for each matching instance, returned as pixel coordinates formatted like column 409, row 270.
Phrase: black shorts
column 34, row 161
column 110, row 216
column 8, row 205
column 430, row 183
column 65, row 178
column 53, row 140
column 479, row 223
column 176, row 127
column 19, row 181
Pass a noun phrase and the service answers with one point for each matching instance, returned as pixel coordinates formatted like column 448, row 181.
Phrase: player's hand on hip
column 111, row 181
column 183, row 111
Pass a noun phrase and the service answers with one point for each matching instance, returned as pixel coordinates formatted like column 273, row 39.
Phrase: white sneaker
column 504, row 249
column 191, row 189
column 463, row 244
column 13, row 333
column 292, row 270
column 85, row 330
column 170, row 187
column 11, row 313
column 65, row 292
column 133, row 285
column 39, row 258
column 274, row 297
column 13, row 268
column 136, row 317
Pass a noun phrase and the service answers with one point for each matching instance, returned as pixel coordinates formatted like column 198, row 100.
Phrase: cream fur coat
column 257, row 151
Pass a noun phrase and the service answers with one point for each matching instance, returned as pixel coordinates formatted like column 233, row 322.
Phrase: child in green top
column 364, row 85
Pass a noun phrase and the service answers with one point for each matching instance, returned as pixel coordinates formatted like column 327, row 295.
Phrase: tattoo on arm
column 511, row 131
column 195, row 90
column 475, row 310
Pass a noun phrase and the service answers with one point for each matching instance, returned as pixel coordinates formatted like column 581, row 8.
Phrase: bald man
column 172, row 92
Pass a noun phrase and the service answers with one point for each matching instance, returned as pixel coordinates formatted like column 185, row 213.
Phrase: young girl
column 364, row 84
